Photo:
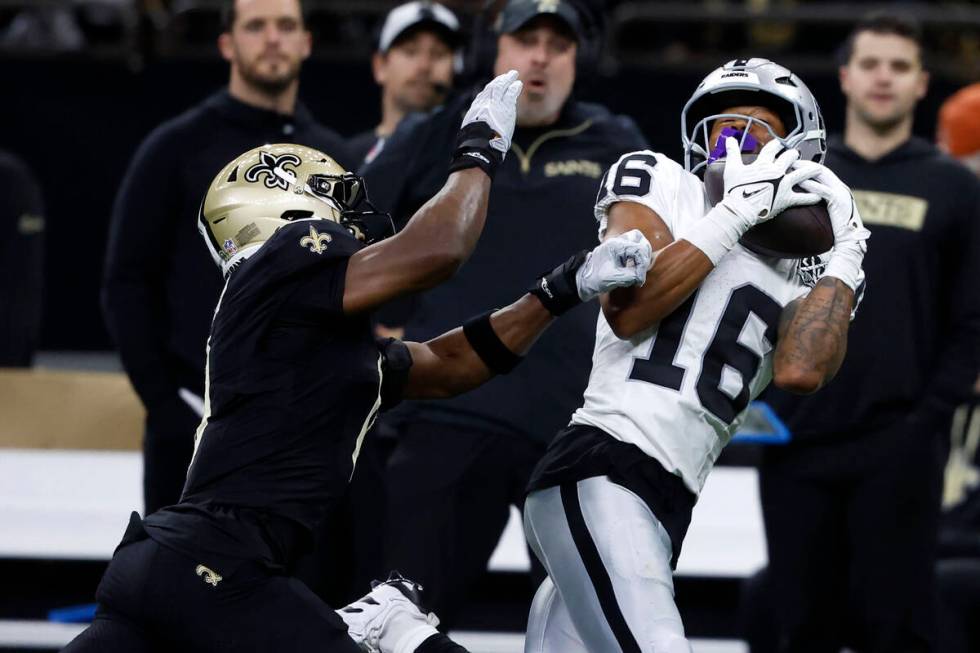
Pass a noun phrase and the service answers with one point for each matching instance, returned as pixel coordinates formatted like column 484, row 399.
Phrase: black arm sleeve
column 959, row 361
column 141, row 239
column 21, row 263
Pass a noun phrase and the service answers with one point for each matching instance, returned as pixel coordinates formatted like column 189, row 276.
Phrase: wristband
column 488, row 346
column 558, row 290
column 716, row 233
column 473, row 149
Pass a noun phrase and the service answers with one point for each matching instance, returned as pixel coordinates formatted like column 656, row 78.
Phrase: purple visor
column 749, row 143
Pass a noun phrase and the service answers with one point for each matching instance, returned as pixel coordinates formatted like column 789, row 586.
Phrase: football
column 797, row 232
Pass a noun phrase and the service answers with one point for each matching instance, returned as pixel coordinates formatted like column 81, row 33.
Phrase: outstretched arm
column 442, row 234
column 448, row 365
column 813, row 337
column 467, row 357
column 436, row 241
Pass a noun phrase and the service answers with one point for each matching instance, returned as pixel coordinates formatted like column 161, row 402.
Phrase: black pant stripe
column 596, row 570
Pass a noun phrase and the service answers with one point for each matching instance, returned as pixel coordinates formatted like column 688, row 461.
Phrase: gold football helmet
column 273, row 185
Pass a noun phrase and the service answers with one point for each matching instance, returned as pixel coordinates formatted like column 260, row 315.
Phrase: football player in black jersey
column 294, row 381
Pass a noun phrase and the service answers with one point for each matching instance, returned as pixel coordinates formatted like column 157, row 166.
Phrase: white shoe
column 389, row 618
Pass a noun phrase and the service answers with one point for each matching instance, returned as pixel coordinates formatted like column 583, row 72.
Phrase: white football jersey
column 679, row 389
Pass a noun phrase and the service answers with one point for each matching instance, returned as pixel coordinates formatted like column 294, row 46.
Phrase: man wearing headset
column 417, row 57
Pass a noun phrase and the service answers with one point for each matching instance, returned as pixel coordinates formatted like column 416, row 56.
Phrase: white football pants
column 610, row 587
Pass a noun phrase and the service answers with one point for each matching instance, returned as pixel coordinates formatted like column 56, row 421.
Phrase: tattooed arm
column 813, row 337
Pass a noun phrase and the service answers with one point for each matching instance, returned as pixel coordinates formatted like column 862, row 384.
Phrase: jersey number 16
column 724, row 349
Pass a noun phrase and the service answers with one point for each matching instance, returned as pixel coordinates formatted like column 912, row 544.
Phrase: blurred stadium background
column 84, row 81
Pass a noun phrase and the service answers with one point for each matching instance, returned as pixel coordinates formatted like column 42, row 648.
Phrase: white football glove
column 754, row 192
column 617, row 262
column 762, row 189
column 850, row 235
column 496, row 105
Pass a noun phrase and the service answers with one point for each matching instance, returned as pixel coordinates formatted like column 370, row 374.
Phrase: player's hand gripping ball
column 850, row 235
column 796, row 222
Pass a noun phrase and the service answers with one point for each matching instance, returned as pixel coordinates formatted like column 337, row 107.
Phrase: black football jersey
column 293, row 385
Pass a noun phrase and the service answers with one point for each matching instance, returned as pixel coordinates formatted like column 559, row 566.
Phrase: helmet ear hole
column 296, row 215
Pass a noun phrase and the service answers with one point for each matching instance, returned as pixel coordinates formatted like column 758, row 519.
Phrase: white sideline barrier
column 59, row 504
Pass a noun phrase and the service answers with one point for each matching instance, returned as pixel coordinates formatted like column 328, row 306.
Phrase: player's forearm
column 449, row 224
column 813, row 341
column 435, row 242
column 677, row 272
column 519, row 325
column 449, row 365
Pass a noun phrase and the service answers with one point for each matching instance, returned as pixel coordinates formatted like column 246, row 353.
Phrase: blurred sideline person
column 677, row 361
column 417, row 55
column 851, row 505
column 458, row 466
column 958, row 569
column 295, row 377
column 959, row 127
column 158, row 295
column 21, row 262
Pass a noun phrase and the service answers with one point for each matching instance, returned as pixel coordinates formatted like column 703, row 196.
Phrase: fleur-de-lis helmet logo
column 273, row 167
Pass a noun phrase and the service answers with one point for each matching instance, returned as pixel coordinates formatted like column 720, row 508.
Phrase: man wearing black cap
column 414, row 66
column 159, row 289
column 458, row 466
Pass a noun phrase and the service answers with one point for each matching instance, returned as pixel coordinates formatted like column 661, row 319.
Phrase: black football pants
column 152, row 598
column 959, row 617
column 449, row 496
column 352, row 532
column 852, row 529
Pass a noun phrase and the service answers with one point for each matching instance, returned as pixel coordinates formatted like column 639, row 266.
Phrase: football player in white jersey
column 678, row 360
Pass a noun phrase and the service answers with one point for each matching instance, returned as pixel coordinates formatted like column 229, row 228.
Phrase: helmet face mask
column 349, row 192
column 270, row 186
column 344, row 189
column 751, row 82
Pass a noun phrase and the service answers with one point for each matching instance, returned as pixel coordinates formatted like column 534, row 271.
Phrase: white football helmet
column 273, row 185
column 757, row 82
